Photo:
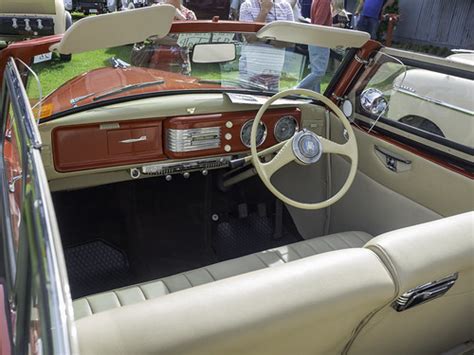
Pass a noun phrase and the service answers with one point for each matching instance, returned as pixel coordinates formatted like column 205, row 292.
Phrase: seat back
column 441, row 251
column 309, row 306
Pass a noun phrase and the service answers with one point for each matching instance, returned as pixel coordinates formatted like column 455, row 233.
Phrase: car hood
column 101, row 80
column 28, row 7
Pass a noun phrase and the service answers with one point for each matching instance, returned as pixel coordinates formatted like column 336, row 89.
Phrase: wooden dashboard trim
column 101, row 145
column 238, row 119
column 92, row 146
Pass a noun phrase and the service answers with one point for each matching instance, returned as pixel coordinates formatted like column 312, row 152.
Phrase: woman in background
column 182, row 13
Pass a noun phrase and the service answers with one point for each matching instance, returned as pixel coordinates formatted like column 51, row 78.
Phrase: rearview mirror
column 373, row 101
column 213, row 53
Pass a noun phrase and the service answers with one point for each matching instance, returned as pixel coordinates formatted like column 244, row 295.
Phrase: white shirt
column 281, row 10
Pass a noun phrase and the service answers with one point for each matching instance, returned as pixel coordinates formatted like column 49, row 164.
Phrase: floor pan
column 242, row 236
column 96, row 266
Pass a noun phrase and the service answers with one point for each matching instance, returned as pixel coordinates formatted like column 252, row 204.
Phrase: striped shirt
column 281, row 10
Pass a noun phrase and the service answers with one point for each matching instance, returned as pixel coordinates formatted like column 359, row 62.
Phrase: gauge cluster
column 284, row 128
column 227, row 133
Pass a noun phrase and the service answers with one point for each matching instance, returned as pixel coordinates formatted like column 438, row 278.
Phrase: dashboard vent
column 189, row 140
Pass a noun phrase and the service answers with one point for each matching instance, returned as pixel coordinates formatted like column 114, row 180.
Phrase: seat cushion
column 89, row 305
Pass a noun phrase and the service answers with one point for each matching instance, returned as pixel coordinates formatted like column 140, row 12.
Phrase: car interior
column 157, row 239
column 220, row 248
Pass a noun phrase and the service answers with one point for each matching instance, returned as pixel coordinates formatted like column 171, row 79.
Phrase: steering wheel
column 305, row 148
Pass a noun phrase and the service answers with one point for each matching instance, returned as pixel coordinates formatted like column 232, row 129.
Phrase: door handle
column 13, row 181
column 134, row 140
column 392, row 161
column 424, row 293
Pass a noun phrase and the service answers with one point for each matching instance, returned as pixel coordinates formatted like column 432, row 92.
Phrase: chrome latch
column 424, row 293
column 12, row 182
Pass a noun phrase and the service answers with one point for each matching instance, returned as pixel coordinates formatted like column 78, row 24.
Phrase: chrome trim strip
column 435, row 101
column 179, row 167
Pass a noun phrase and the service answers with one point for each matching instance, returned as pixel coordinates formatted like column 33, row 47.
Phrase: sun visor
column 116, row 29
column 303, row 33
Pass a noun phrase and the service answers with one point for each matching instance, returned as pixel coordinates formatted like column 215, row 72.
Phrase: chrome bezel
column 265, row 132
column 299, row 154
column 279, row 120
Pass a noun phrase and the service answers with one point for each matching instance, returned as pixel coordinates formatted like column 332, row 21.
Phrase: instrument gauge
column 285, row 128
column 247, row 129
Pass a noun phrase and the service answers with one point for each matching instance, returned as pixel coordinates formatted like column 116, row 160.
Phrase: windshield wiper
column 246, row 84
column 126, row 88
column 114, row 91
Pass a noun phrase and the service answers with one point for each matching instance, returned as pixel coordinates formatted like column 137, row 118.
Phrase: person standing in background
column 235, row 9
column 321, row 14
column 265, row 11
column 371, row 12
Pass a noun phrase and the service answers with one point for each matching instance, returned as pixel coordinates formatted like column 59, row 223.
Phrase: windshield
column 170, row 64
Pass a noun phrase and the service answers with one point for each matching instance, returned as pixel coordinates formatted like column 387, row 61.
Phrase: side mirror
column 213, row 53
column 373, row 101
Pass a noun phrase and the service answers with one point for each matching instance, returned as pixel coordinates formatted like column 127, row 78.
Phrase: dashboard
column 171, row 145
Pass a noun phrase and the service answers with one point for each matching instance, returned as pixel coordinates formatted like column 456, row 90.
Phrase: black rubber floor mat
column 241, row 236
column 96, row 266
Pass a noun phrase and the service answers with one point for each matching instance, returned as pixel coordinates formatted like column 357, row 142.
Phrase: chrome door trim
column 46, row 255
column 431, row 100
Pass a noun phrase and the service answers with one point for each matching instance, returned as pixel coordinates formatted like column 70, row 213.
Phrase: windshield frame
column 29, row 49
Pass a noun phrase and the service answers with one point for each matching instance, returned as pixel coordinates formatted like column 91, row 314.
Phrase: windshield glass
column 170, row 64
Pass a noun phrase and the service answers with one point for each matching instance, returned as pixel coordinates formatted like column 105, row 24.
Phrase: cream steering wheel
column 305, row 148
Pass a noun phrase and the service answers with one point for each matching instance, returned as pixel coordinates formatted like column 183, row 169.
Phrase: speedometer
column 247, row 129
column 285, row 128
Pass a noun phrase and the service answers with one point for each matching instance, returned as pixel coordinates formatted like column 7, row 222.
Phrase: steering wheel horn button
column 307, row 147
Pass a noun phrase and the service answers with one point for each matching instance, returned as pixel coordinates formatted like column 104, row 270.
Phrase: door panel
column 371, row 207
column 437, row 188
column 413, row 122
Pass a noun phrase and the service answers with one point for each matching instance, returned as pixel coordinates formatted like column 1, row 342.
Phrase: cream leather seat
column 336, row 302
column 149, row 290
column 416, row 256
column 308, row 306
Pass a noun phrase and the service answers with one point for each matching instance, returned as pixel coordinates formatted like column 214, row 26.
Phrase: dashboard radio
column 192, row 139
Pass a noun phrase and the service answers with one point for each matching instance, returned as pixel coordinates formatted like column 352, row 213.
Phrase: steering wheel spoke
column 305, row 147
column 272, row 149
column 283, row 157
column 335, row 148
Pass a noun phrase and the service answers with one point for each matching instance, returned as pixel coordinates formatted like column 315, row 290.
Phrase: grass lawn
column 54, row 73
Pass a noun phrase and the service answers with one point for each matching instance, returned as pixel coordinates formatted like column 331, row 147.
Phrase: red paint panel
column 97, row 146
column 5, row 348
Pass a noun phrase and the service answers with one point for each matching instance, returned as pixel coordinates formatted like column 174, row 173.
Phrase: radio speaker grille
column 189, row 140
